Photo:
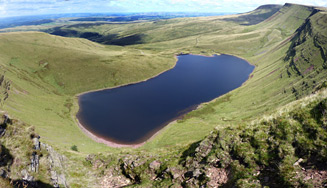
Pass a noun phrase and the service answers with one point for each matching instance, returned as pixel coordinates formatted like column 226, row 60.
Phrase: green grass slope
column 46, row 73
column 161, row 30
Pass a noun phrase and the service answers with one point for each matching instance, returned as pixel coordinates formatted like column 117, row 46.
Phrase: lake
column 132, row 114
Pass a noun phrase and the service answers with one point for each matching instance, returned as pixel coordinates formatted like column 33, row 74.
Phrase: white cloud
column 3, row 7
column 24, row 7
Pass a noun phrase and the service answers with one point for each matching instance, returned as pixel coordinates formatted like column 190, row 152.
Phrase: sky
column 10, row 8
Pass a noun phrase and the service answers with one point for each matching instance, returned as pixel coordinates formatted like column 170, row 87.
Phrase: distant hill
column 256, row 16
column 8, row 22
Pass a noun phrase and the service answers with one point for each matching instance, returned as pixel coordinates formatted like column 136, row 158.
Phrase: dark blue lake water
column 131, row 114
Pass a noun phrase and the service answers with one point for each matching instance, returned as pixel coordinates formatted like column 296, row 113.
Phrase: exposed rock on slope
column 56, row 166
column 25, row 161
column 4, row 88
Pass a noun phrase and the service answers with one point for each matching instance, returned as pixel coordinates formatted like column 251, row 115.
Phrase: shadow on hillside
column 189, row 152
column 110, row 39
column 26, row 184
column 6, row 158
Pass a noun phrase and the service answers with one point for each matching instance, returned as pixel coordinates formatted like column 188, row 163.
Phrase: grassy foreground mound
column 46, row 72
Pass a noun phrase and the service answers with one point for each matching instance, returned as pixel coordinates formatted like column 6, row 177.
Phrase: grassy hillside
column 161, row 30
column 47, row 72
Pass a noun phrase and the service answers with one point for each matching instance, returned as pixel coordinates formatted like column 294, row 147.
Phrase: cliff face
column 4, row 88
column 308, row 51
column 24, row 160
column 306, row 57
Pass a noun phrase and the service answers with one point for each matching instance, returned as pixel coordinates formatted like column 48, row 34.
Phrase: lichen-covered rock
column 34, row 162
column 155, row 165
column 26, row 176
column 56, row 166
column 177, row 174
column 129, row 166
column 217, row 176
column 3, row 173
column 204, row 147
column 37, row 143
column 114, row 180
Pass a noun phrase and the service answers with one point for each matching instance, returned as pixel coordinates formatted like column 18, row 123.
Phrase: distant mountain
column 256, row 16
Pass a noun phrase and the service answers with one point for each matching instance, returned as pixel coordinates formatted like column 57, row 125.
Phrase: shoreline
column 132, row 83
column 113, row 144
column 98, row 139
column 136, row 82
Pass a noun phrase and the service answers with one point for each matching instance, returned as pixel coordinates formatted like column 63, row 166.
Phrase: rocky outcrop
column 155, row 165
column 3, row 125
column 201, row 170
column 129, row 167
column 56, row 166
column 113, row 179
column 37, row 143
column 112, row 175
column 26, row 176
column 34, row 167
column 4, row 88
column 13, row 134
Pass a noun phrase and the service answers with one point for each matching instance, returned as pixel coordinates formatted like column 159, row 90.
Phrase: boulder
column 2, row 132
column 3, row 173
column 34, row 163
column 155, row 165
column 26, row 176
column 37, row 144
column 111, row 179
column 196, row 173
